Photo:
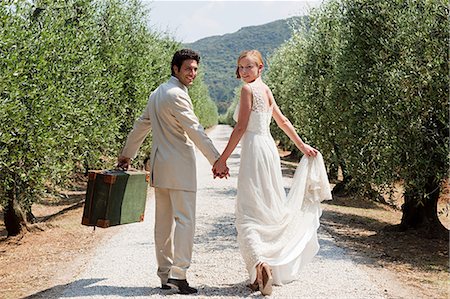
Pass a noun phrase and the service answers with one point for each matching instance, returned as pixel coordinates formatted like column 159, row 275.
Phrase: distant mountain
column 219, row 54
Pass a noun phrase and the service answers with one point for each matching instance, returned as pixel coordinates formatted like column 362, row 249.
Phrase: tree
column 72, row 76
column 373, row 86
column 204, row 107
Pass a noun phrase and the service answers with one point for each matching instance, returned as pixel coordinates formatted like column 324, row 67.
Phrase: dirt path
column 125, row 266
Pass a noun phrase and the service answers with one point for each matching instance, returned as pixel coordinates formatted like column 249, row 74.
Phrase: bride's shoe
column 254, row 286
column 267, row 280
column 258, row 280
column 257, row 285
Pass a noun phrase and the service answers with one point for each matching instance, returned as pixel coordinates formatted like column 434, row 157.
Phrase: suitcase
column 115, row 197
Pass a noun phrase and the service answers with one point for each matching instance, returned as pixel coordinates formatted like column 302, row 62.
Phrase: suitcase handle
column 116, row 170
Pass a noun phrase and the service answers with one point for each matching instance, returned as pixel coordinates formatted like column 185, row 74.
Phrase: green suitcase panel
column 115, row 197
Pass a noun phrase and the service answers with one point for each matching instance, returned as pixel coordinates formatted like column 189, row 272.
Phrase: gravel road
column 125, row 265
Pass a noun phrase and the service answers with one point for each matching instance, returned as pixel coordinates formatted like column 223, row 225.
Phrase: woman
column 277, row 234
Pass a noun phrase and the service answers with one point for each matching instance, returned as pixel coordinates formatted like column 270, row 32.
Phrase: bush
column 74, row 75
column 367, row 84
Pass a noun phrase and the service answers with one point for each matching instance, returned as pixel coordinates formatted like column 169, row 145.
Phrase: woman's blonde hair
column 253, row 54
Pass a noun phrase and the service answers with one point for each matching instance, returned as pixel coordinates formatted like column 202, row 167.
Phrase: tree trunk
column 341, row 188
column 333, row 171
column 14, row 217
column 30, row 216
column 420, row 211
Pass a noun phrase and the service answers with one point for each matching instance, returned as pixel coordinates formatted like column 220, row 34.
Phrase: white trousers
column 174, row 232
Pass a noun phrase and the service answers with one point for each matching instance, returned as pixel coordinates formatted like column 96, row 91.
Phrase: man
column 170, row 116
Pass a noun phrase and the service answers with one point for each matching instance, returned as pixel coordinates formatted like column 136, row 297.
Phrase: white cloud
column 189, row 21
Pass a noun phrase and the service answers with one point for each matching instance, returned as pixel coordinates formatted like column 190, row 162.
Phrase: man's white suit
column 175, row 130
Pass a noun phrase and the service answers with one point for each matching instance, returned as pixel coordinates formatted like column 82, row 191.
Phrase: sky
column 189, row 21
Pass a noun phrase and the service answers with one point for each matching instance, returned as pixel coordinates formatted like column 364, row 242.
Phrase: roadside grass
column 40, row 259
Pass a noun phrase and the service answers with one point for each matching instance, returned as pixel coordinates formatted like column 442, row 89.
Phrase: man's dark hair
column 180, row 56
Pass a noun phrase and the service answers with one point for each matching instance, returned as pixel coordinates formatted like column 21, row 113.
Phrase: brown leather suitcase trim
column 103, row 223
column 85, row 221
column 92, row 176
column 109, row 179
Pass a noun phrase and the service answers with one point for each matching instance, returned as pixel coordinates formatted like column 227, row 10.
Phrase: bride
column 277, row 233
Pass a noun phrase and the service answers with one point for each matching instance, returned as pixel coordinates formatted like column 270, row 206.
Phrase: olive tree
column 74, row 75
column 374, row 90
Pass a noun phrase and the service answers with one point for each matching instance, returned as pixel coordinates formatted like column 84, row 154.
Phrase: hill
column 219, row 54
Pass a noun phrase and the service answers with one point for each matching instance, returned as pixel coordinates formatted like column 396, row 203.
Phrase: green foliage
column 219, row 54
column 73, row 77
column 368, row 85
column 227, row 118
column 283, row 78
column 204, row 107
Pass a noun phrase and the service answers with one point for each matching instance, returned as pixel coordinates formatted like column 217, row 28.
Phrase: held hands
column 123, row 162
column 220, row 169
column 308, row 150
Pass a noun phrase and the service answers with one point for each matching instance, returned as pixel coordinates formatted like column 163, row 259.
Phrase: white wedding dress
column 273, row 227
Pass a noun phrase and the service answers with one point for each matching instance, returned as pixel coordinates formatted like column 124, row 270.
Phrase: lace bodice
column 261, row 114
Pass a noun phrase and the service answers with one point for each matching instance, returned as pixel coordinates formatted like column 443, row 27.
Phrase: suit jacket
column 170, row 116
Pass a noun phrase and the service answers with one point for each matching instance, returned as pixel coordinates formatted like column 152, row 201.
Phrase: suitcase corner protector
column 103, row 223
column 85, row 221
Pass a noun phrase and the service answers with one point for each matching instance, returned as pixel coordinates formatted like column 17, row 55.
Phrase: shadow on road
column 87, row 288
column 232, row 290
column 222, row 236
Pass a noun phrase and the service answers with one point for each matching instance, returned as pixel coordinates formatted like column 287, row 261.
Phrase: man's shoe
column 182, row 286
column 165, row 287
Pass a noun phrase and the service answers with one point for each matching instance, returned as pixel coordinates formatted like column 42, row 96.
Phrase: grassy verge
column 359, row 226
column 49, row 258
